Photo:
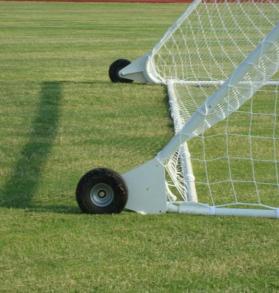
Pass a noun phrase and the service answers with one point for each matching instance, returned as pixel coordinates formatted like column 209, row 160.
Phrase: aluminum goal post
column 148, row 191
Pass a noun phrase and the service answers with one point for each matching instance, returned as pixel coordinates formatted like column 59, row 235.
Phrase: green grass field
column 59, row 117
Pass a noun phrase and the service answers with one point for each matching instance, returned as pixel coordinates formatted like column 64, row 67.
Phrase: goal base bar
column 197, row 209
column 148, row 195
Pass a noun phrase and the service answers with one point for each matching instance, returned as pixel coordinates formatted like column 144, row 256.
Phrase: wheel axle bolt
column 102, row 193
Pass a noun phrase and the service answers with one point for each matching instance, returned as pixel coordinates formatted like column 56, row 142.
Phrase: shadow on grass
column 23, row 182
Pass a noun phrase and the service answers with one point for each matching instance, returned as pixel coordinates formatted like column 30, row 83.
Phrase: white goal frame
column 148, row 191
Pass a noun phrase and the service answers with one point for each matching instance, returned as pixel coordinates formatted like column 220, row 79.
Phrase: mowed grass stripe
column 59, row 117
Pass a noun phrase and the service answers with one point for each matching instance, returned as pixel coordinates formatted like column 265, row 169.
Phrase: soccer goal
column 220, row 63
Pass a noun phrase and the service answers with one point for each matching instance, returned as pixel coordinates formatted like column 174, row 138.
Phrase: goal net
column 220, row 62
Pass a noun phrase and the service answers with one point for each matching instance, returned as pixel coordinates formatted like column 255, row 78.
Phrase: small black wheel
column 115, row 68
column 101, row 191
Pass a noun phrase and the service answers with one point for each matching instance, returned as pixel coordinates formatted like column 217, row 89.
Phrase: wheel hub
column 101, row 195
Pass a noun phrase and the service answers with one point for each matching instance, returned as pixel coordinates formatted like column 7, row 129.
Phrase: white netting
column 212, row 41
column 236, row 161
column 239, row 160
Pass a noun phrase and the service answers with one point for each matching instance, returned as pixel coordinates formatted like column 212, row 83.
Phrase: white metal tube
column 219, row 82
column 215, row 211
column 244, row 67
column 183, row 135
column 199, row 116
column 176, row 25
column 152, row 68
column 185, row 156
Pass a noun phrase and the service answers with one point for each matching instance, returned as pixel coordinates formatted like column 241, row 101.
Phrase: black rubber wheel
column 115, row 68
column 101, row 191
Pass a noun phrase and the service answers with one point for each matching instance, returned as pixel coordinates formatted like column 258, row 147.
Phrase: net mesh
column 236, row 161
column 212, row 41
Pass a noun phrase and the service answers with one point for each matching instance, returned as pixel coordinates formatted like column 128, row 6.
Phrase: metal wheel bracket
column 146, row 187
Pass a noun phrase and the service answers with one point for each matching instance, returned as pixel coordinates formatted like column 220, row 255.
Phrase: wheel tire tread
column 109, row 177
